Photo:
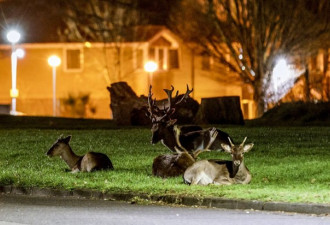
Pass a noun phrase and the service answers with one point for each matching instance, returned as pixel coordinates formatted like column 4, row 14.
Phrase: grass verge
column 288, row 164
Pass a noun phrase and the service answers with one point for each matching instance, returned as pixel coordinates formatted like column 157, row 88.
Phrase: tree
column 102, row 21
column 255, row 33
column 111, row 21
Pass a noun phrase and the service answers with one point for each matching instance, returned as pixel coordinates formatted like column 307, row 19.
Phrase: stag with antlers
column 192, row 137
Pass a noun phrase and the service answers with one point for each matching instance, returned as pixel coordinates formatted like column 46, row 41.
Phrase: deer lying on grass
column 221, row 172
column 192, row 137
column 91, row 161
column 171, row 165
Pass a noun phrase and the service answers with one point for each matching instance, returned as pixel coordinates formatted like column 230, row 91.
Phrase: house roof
column 143, row 33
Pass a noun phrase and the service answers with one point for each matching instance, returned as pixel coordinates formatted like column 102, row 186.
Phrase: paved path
column 17, row 210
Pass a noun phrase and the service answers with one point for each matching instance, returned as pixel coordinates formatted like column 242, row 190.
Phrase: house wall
column 34, row 81
column 100, row 68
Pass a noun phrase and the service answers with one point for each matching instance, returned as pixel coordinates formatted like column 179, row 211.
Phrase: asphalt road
column 17, row 210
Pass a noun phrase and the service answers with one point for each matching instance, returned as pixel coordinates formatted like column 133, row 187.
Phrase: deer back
column 94, row 161
column 171, row 165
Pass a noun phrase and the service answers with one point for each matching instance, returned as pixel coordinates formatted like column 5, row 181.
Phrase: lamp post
column 150, row 67
column 13, row 37
column 54, row 61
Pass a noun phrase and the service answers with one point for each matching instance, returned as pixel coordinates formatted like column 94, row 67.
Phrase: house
column 88, row 68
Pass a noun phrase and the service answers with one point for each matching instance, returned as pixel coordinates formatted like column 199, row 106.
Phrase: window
column 165, row 58
column 313, row 63
column 173, row 60
column 139, row 58
column 73, row 59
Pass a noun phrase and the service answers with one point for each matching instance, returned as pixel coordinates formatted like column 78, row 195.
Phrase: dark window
column 314, row 63
column 73, row 59
column 151, row 54
column 161, row 61
column 173, row 59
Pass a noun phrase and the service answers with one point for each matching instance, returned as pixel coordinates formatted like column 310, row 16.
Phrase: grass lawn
column 289, row 164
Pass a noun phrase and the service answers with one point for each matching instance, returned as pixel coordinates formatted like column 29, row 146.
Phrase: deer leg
column 194, row 180
column 222, row 181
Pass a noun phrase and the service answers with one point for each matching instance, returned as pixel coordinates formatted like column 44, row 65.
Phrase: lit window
column 73, row 60
column 166, row 58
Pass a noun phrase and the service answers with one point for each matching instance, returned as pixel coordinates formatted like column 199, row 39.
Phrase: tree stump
column 220, row 110
column 129, row 109
column 124, row 103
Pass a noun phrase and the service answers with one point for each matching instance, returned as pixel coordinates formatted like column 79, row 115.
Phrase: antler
column 156, row 114
column 175, row 101
column 243, row 141
column 152, row 107
column 177, row 133
column 231, row 143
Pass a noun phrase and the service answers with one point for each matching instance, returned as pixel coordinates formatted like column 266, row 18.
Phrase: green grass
column 289, row 164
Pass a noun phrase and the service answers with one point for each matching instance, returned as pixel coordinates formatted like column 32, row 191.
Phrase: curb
column 213, row 202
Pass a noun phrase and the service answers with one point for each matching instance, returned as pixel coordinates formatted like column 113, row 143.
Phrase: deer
column 172, row 165
column 192, row 136
column 91, row 161
column 221, row 172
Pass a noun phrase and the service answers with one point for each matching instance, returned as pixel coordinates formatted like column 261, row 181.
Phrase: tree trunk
column 307, row 84
column 220, row 110
column 259, row 98
column 325, row 81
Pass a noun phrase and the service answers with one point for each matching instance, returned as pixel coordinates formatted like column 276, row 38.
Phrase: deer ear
column 67, row 139
column 247, row 147
column 171, row 122
column 226, row 147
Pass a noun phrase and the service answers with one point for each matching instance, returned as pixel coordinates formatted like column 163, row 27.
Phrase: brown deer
column 89, row 162
column 171, row 165
column 192, row 136
column 221, row 172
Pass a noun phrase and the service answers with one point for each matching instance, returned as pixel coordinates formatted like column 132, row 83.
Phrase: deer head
column 59, row 146
column 161, row 118
column 237, row 151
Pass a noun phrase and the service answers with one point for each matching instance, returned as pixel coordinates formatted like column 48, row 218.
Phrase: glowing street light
column 13, row 37
column 150, row 67
column 54, row 61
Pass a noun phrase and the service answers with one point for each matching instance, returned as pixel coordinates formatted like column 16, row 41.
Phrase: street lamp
column 150, row 67
column 13, row 37
column 54, row 61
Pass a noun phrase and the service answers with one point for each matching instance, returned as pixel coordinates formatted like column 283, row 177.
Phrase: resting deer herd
column 185, row 142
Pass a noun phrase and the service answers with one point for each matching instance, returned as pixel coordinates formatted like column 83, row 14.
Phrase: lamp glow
column 150, row 66
column 13, row 36
column 54, row 61
column 14, row 93
column 20, row 53
column 88, row 44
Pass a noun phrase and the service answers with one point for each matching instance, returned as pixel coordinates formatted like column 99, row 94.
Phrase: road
column 18, row 210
